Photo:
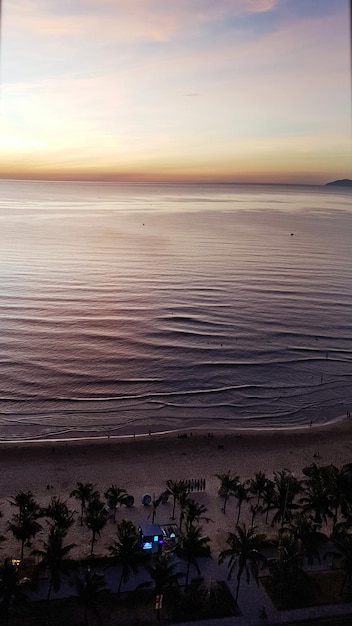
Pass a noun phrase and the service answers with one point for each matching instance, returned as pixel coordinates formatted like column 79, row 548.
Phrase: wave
column 200, row 316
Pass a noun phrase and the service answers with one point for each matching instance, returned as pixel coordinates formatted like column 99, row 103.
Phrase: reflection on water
column 125, row 308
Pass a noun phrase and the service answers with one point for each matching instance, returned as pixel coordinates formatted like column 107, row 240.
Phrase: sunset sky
column 215, row 90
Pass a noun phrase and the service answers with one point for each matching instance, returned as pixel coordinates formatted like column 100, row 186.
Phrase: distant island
column 345, row 182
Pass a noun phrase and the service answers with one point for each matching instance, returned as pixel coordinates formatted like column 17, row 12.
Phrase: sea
column 133, row 309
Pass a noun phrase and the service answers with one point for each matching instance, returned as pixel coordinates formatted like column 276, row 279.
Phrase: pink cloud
column 148, row 20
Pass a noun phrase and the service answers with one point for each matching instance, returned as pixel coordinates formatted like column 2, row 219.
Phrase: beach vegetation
column 342, row 541
column 340, row 484
column 311, row 524
column 89, row 587
column 176, row 488
column 258, row 485
column 245, row 553
column 287, row 488
column 288, row 575
column 96, row 518
column 54, row 557
column 307, row 532
column 268, row 497
column 126, row 552
column 115, row 496
column 84, row 492
column 24, row 523
column 320, row 587
column 155, row 504
column 194, row 512
column 317, row 498
column 163, row 573
column 242, row 495
column 59, row 514
column 192, row 546
column 12, row 590
column 203, row 600
column 228, row 486
column 183, row 499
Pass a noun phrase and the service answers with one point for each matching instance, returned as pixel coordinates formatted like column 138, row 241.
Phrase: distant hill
column 345, row 182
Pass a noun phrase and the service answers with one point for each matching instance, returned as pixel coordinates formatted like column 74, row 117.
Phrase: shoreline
column 97, row 436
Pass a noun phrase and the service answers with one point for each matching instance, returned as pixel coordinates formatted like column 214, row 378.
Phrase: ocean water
column 129, row 308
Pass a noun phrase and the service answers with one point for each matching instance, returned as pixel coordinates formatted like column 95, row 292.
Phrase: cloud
column 104, row 81
column 141, row 20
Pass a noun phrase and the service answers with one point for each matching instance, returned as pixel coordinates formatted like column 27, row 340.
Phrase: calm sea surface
column 126, row 308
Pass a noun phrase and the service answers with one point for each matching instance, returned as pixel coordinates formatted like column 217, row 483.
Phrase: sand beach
column 143, row 465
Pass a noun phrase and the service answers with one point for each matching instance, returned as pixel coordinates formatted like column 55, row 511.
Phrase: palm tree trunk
column 173, row 508
column 254, row 512
column 239, row 512
column 239, row 575
column 335, row 516
column 49, row 589
column 187, row 573
column 92, row 544
column 225, row 501
column 22, row 548
column 120, row 584
column 82, row 511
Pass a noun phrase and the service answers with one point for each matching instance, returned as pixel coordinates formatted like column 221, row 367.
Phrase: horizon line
column 164, row 182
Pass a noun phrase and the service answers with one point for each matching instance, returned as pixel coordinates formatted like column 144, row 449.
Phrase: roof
column 150, row 529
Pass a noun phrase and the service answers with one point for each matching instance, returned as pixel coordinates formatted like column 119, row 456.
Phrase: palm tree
column 192, row 546
column 162, row 572
column 176, row 488
column 228, row 485
column 305, row 530
column 58, row 512
column 53, row 556
column 245, row 552
column 96, row 518
column 317, row 495
column 268, row 497
column 258, row 485
column 115, row 495
column 11, row 590
column 89, row 587
column 242, row 495
column 340, row 487
column 155, row 504
column 254, row 509
column 126, row 551
column 289, row 574
column 342, row 540
column 287, row 487
column 24, row 524
column 84, row 492
column 194, row 511
column 182, row 503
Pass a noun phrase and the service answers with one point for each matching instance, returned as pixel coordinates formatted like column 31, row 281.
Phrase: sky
column 165, row 90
